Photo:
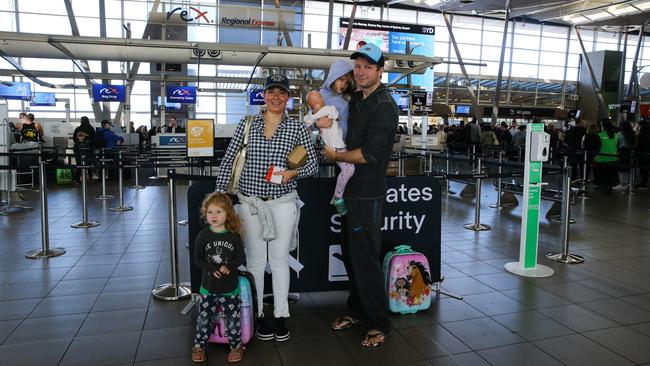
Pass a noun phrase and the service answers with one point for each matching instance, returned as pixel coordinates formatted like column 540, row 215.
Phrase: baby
column 333, row 137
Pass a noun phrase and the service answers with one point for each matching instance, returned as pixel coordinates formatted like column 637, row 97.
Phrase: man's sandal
column 345, row 322
column 236, row 354
column 198, row 355
column 374, row 338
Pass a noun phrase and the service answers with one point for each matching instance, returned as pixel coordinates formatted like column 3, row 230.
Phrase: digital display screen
column 402, row 100
column 462, row 109
column 169, row 105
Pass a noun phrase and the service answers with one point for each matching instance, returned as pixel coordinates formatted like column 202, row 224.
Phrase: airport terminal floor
column 93, row 305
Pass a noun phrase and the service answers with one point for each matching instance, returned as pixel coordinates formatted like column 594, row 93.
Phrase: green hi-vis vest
column 607, row 146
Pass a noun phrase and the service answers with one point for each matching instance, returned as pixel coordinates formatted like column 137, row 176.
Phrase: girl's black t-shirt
column 213, row 250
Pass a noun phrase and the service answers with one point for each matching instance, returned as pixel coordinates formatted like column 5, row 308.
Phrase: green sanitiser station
column 537, row 152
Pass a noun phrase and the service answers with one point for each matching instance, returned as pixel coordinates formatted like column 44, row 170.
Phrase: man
column 30, row 131
column 371, row 132
column 110, row 138
column 173, row 127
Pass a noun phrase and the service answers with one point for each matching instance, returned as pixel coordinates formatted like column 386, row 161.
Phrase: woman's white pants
column 277, row 252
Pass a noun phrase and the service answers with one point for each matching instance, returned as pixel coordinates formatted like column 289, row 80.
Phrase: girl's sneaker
column 265, row 331
column 339, row 203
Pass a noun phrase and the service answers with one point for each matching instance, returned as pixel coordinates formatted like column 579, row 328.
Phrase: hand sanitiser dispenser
column 540, row 143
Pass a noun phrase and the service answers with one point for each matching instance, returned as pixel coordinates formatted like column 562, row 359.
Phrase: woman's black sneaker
column 265, row 331
column 281, row 330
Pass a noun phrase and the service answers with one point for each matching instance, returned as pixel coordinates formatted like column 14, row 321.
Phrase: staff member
column 371, row 133
column 270, row 212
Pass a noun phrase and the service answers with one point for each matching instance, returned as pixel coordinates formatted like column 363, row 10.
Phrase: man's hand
column 224, row 270
column 324, row 122
column 216, row 274
column 329, row 153
column 287, row 175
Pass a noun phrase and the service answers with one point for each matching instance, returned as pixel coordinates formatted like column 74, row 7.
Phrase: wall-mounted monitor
column 169, row 106
column 462, row 109
column 401, row 99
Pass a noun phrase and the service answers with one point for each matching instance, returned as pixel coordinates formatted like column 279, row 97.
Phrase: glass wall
column 541, row 60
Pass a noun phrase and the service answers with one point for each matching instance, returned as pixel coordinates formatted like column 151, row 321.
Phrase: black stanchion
column 477, row 226
column 84, row 223
column 565, row 256
column 566, row 187
column 175, row 290
column 45, row 251
column 121, row 207
column 137, row 176
column 583, row 192
column 104, row 196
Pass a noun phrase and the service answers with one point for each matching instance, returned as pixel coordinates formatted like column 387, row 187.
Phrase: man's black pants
column 361, row 229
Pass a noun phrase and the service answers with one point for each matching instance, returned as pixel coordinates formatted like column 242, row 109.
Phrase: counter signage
column 16, row 90
column 109, row 93
column 200, row 138
column 422, row 101
column 171, row 140
column 181, row 94
column 512, row 112
column 256, row 97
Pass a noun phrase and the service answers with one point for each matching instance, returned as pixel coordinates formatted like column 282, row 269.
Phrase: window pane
column 318, row 40
column 554, row 31
column 494, row 54
column 55, row 24
column 528, row 28
column 7, row 23
column 572, row 74
column 525, row 71
column 551, row 73
column 525, row 56
column 467, row 36
column 401, row 16
column 529, row 42
column 552, row 58
column 494, row 39
column 470, row 51
column 553, row 44
column 466, row 23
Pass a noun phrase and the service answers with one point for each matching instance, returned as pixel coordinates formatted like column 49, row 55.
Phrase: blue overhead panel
column 43, row 100
column 15, row 90
column 109, row 93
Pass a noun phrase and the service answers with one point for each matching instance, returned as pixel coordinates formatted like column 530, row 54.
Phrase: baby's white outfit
column 332, row 136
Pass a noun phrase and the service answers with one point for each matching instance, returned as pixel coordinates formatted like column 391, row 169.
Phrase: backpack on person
column 408, row 280
column 248, row 314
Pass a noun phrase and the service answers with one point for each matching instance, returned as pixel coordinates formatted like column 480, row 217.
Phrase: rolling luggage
column 248, row 311
column 408, row 280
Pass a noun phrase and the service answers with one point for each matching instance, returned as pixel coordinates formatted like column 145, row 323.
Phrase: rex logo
column 185, row 15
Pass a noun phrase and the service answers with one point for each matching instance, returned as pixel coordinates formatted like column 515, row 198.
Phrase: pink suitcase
column 248, row 310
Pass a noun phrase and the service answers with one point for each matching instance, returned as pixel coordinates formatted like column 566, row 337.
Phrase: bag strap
column 247, row 128
column 403, row 249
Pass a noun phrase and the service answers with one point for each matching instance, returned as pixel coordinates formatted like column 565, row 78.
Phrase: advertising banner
column 43, row 100
column 181, row 94
column 109, row 93
column 411, row 213
column 253, row 17
column 17, row 91
column 200, row 138
column 392, row 38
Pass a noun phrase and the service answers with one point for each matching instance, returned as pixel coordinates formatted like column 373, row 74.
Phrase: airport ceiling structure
column 612, row 15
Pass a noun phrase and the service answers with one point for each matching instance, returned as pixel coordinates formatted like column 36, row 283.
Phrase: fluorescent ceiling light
column 598, row 15
column 432, row 2
column 417, row 1
column 619, row 10
column 643, row 5
column 577, row 19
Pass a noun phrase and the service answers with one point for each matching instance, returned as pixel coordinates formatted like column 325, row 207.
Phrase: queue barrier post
column 172, row 291
column 137, row 176
column 566, row 187
column 400, row 165
column 104, row 196
column 120, row 186
column 476, row 225
column 45, row 251
column 565, row 256
column 449, row 191
column 583, row 192
column 630, row 189
column 498, row 205
column 84, row 223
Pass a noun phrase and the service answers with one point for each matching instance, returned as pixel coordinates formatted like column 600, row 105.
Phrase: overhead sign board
column 43, row 100
column 16, row 90
column 181, row 94
column 200, row 137
column 256, row 97
column 109, row 93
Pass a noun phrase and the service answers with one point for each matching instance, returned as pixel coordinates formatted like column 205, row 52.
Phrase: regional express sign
column 229, row 16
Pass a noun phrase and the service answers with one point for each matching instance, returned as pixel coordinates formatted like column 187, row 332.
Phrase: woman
column 269, row 212
column 590, row 143
column 604, row 170
column 83, row 137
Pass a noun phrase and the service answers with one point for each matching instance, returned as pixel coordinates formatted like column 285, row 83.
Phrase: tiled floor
column 93, row 305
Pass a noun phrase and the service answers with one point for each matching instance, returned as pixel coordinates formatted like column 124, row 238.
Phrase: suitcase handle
column 403, row 249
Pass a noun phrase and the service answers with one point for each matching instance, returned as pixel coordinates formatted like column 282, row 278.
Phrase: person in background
column 110, row 138
column 474, row 130
column 131, row 127
column 604, row 169
column 504, row 136
column 513, row 128
column 488, row 137
column 643, row 153
column 626, row 143
column 591, row 144
column 442, row 135
column 520, row 137
column 30, row 131
column 172, row 127
column 83, row 137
